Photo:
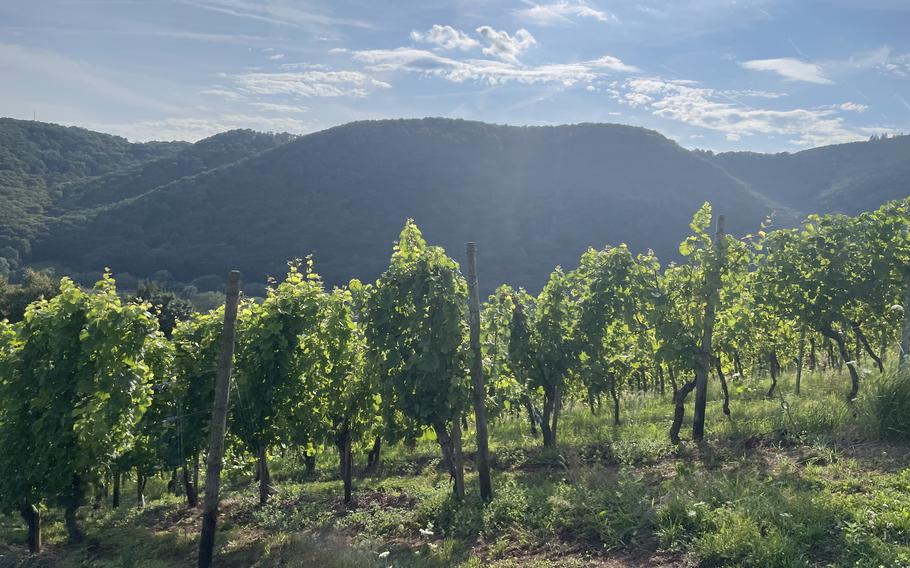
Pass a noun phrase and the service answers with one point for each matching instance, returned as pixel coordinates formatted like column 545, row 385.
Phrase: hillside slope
column 213, row 152
column 533, row 197
column 37, row 159
column 845, row 178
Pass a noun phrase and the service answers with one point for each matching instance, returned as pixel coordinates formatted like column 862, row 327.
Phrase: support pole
column 219, row 422
column 477, row 378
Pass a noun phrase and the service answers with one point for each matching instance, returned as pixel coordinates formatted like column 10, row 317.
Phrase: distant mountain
column 845, row 178
column 37, row 159
column 216, row 151
column 532, row 197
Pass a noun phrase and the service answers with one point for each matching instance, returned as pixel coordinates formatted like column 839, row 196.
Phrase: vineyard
column 746, row 407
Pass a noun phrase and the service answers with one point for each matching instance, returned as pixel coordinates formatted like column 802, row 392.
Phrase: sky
column 760, row 75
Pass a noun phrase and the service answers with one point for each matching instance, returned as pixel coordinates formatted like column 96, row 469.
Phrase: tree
column 507, row 388
column 542, row 348
column 15, row 297
column 685, row 309
column 268, row 363
column 75, row 382
column 165, row 305
column 417, row 338
column 20, row 487
column 815, row 275
column 611, row 287
column 336, row 394
column 196, row 346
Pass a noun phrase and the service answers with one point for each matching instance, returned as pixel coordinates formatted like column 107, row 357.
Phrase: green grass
column 792, row 481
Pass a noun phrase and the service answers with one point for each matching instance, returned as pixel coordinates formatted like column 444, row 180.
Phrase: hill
column 533, row 197
column 844, row 178
column 37, row 159
column 216, row 151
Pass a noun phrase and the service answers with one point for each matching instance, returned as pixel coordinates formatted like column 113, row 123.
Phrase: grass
column 793, row 481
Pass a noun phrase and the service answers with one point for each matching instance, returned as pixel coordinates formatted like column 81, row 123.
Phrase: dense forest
column 96, row 389
column 183, row 214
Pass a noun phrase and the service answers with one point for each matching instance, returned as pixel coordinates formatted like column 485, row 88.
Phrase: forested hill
column 533, row 197
column 845, row 178
column 37, row 159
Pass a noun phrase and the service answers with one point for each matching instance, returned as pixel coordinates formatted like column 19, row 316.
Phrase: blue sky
column 763, row 75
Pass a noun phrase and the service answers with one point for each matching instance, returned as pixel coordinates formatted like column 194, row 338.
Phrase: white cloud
column 276, row 56
column 504, row 46
column 852, row 107
column 488, row 70
column 278, row 108
column 790, row 69
column 563, row 12
column 613, row 64
column 884, row 60
column 445, row 37
column 716, row 110
column 193, row 129
column 309, row 83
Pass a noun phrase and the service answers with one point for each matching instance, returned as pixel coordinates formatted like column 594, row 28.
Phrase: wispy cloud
column 488, row 71
column 192, row 129
column 223, row 93
column 23, row 64
column 279, row 108
column 308, row 83
column 305, row 84
column 884, row 60
column 710, row 109
column 504, row 46
column 276, row 12
column 790, row 69
column 563, row 12
column 445, row 37
column 852, row 107
column 275, row 56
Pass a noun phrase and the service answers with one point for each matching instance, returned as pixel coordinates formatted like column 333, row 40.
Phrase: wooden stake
column 219, row 422
column 477, row 378
column 905, row 331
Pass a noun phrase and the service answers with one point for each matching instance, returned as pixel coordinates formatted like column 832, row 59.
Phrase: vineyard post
column 712, row 288
column 800, row 358
column 219, row 422
column 479, row 384
column 905, row 331
column 457, row 457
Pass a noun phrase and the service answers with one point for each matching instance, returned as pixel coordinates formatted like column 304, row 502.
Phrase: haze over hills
column 533, row 197
column 846, row 178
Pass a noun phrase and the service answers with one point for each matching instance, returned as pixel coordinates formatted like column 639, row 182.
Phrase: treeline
column 94, row 387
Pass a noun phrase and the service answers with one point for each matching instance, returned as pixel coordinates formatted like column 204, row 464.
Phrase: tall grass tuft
column 885, row 406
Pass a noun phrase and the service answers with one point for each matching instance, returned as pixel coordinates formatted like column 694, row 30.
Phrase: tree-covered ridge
column 535, row 194
column 47, row 171
column 37, row 159
column 59, row 153
column 216, row 151
column 845, row 178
